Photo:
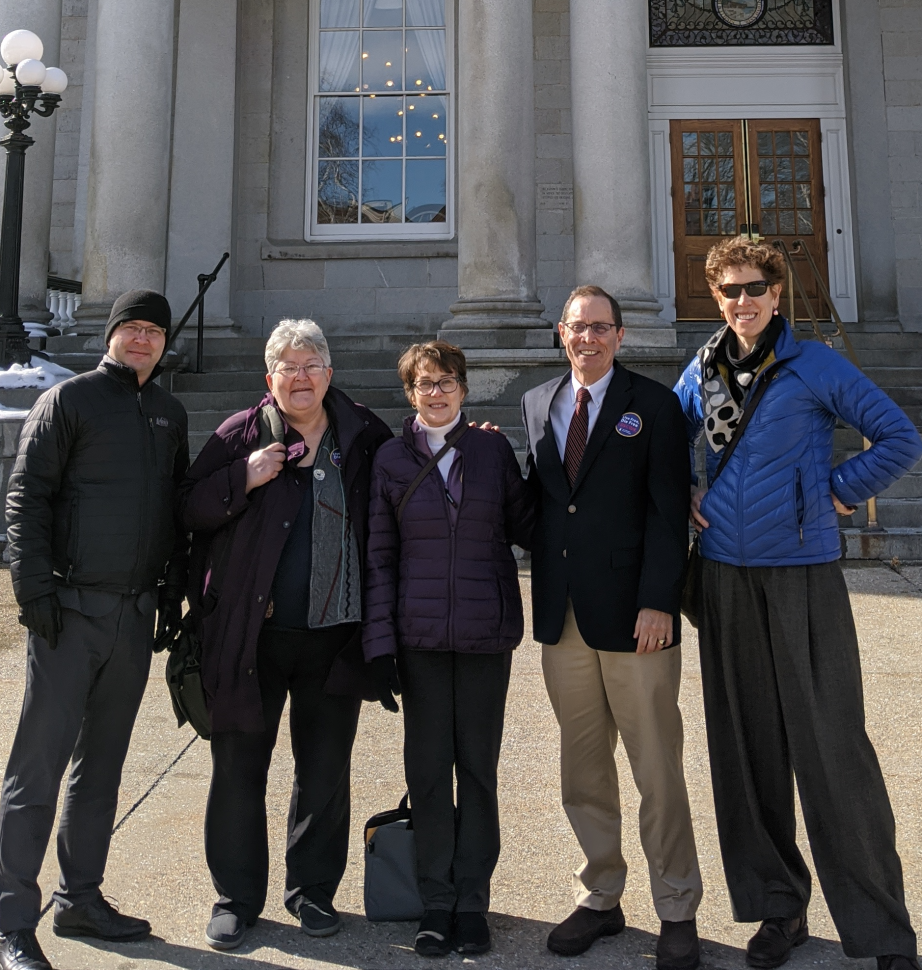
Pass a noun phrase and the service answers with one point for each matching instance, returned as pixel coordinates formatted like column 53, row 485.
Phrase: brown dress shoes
column 582, row 928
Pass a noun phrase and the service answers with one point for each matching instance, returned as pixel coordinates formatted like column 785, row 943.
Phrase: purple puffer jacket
column 434, row 586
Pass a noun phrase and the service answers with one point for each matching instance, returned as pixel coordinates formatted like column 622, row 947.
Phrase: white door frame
column 750, row 83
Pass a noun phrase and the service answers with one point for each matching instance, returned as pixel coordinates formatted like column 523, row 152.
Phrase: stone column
column 42, row 17
column 202, row 183
column 129, row 178
column 612, row 216
column 497, row 288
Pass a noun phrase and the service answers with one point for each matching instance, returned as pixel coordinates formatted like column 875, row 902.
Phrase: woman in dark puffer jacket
column 443, row 614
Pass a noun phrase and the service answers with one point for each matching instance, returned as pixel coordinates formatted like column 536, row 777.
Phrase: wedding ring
column 662, row 642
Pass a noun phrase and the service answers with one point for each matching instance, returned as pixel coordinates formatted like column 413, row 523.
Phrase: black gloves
column 387, row 683
column 43, row 617
column 169, row 617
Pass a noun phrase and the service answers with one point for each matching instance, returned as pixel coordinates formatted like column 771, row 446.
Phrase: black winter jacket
column 91, row 499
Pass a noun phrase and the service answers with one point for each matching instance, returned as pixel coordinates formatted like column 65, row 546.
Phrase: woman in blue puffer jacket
column 779, row 653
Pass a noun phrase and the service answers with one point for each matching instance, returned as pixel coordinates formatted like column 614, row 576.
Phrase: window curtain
column 339, row 53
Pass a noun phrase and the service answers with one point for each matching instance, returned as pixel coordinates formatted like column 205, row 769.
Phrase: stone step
column 888, row 377
column 895, row 513
column 188, row 383
column 205, row 422
column 909, row 486
column 887, row 357
column 904, row 545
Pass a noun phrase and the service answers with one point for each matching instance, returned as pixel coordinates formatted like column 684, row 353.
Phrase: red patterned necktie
column 577, row 435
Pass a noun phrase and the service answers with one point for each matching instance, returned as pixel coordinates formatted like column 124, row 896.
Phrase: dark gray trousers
column 783, row 697
column 81, row 701
column 322, row 734
column 453, row 710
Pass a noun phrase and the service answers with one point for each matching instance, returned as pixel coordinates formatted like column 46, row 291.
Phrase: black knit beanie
column 144, row 305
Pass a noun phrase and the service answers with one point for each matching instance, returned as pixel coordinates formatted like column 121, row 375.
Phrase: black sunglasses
column 732, row 291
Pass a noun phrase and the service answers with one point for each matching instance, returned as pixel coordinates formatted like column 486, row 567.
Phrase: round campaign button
column 319, row 474
column 336, row 457
column 629, row 425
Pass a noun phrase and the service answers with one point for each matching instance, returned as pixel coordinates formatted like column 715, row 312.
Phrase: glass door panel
column 708, row 198
column 731, row 175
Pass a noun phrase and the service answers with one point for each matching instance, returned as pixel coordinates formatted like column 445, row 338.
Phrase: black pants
column 81, row 701
column 783, row 697
column 453, row 708
column 322, row 733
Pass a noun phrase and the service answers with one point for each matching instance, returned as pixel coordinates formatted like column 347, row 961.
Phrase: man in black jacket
column 609, row 452
column 94, row 551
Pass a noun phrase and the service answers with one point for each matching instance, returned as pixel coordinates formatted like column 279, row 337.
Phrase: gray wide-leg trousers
column 81, row 701
column 783, row 698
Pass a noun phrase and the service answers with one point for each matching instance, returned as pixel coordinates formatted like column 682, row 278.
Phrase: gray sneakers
column 225, row 931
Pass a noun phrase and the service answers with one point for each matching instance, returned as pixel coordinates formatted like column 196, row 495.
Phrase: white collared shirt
column 564, row 404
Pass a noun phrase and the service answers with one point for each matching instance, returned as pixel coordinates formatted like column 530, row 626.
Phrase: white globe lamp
column 21, row 45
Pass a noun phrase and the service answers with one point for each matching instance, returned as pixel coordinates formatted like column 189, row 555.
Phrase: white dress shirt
column 564, row 405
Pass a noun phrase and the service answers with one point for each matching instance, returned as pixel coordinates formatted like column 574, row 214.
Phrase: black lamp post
column 27, row 88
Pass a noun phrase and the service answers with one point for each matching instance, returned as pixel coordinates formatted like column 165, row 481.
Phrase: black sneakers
column 319, row 920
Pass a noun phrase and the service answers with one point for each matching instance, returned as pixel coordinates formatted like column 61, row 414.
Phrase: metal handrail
column 799, row 249
column 204, row 281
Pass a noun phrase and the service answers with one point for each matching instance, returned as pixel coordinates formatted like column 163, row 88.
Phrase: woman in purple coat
column 279, row 530
column 443, row 614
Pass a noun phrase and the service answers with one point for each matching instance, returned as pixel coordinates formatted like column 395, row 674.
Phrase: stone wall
column 901, row 28
column 62, row 258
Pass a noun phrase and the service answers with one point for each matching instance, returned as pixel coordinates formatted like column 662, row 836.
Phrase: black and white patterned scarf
column 726, row 380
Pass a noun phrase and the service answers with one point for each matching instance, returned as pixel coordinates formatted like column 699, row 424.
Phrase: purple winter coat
column 215, row 507
column 433, row 586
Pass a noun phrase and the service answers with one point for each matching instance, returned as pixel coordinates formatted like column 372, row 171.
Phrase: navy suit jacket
column 617, row 541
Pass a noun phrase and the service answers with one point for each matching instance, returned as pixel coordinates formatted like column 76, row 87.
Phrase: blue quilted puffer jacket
column 771, row 505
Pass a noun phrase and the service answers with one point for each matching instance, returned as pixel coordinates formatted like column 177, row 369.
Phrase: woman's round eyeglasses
column 292, row 370
column 446, row 385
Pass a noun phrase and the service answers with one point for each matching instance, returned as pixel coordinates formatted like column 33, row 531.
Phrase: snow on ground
column 38, row 373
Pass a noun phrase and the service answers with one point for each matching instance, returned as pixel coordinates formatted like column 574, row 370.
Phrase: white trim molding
column 750, row 83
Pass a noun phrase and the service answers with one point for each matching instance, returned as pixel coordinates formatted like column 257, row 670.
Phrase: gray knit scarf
column 336, row 581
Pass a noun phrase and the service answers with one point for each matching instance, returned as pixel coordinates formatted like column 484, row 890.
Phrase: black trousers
column 783, row 698
column 453, row 709
column 81, row 702
column 322, row 733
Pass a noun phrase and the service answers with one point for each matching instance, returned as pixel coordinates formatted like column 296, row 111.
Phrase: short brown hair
column 588, row 291
column 742, row 251
column 445, row 356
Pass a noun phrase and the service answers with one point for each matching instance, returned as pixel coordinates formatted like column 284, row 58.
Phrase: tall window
column 381, row 127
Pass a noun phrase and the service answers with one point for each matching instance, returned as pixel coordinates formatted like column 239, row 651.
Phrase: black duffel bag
column 184, row 679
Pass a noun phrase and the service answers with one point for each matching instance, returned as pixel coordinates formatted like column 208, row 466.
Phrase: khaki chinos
column 597, row 695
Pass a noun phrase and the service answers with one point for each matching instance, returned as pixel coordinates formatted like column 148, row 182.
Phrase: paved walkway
column 157, row 867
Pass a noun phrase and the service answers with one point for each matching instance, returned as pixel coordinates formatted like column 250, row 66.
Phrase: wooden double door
column 729, row 177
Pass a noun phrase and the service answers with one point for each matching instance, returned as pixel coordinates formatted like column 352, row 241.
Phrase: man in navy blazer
column 608, row 455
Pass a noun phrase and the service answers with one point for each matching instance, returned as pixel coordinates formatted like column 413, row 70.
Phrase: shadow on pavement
column 517, row 943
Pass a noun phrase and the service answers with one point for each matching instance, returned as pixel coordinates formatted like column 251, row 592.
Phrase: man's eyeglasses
column 292, row 370
column 599, row 329
column 134, row 331
column 446, row 385
column 732, row 291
